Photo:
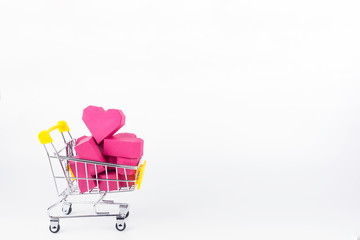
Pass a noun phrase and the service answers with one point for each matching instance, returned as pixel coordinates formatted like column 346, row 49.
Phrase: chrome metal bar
column 101, row 179
column 62, row 167
column 88, row 215
column 95, row 162
column 72, row 141
column 52, row 170
column 86, row 174
column 96, row 175
column 97, row 202
column 54, row 205
column 62, row 134
column 117, row 178
column 96, row 191
column 107, row 182
column 127, row 184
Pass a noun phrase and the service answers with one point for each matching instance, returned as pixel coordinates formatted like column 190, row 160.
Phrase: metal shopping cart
column 70, row 180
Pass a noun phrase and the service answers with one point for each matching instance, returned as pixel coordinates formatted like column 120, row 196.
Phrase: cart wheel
column 120, row 227
column 54, row 228
column 67, row 208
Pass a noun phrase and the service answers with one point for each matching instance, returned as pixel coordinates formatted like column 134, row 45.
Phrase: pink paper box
column 122, row 161
column 123, row 145
column 113, row 185
column 79, row 139
column 130, row 174
column 128, row 162
column 128, row 177
column 101, row 123
column 78, row 169
column 86, row 148
column 110, row 159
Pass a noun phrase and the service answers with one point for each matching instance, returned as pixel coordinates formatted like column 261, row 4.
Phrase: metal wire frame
column 73, row 189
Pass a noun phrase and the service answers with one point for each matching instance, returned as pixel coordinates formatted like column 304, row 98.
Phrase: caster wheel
column 120, row 227
column 54, row 228
column 67, row 208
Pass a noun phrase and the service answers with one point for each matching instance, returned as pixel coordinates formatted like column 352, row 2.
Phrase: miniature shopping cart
column 70, row 180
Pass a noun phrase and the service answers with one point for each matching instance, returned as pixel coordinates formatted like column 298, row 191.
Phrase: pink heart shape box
column 105, row 185
column 79, row 171
column 123, row 161
column 101, row 123
column 87, row 149
column 124, row 145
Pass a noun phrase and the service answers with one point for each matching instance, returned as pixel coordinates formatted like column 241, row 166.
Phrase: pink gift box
column 122, row 161
column 130, row 174
column 79, row 171
column 110, row 159
column 124, row 145
column 128, row 162
column 127, row 177
column 87, row 149
column 113, row 185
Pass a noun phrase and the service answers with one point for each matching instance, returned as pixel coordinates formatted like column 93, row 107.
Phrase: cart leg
column 67, row 208
column 55, row 204
column 99, row 201
column 54, row 225
column 124, row 210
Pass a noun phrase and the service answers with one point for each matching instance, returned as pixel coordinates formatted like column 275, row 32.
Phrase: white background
column 249, row 111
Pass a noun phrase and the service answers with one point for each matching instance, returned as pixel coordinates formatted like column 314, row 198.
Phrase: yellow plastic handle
column 44, row 136
column 140, row 175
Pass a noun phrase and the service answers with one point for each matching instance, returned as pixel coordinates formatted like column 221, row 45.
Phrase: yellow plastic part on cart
column 72, row 174
column 139, row 173
column 44, row 136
